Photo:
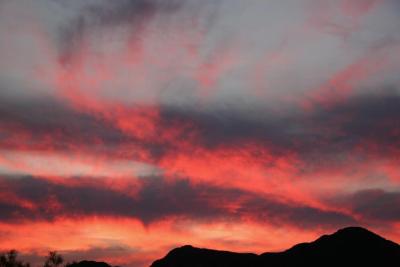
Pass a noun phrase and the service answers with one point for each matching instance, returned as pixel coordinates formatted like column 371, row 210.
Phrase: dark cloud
column 48, row 116
column 374, row 204
column 371, row 117
column 302, row 216
column 157, row 199
column 129, row 11
column 66, row 126
column 230, row 126
column 361, row 126
column 54, row 200
column 326, row 131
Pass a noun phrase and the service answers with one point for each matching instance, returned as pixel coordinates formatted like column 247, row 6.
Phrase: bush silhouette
column 53, row 259
column 9, row 259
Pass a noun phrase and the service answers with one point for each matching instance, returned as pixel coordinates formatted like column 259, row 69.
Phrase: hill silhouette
column 352, row 246
column 86, row 263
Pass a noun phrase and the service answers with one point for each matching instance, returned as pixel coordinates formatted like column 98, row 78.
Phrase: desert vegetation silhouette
column 53, row 259
column 10, row 259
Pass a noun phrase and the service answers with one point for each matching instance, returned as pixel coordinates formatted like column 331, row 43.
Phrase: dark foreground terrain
column 89, row 264
column 353, row 247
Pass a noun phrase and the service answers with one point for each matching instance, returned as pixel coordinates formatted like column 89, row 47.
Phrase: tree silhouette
column 53, row 259
column 9, row 259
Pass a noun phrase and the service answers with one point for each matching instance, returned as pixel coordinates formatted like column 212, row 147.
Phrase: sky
column 128, row 128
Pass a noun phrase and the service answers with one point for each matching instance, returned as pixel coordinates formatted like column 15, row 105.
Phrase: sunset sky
column 128, row 128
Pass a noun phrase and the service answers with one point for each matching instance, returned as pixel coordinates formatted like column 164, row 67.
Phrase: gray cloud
column 59, row 124
column 373, row 204
column 358, row 120
column 105, row 15
column 286, row 56
column 157, row 199
column 327, row 132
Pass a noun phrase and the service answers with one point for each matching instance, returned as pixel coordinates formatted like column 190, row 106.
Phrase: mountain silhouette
column 88, row 264
column 352, row 246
